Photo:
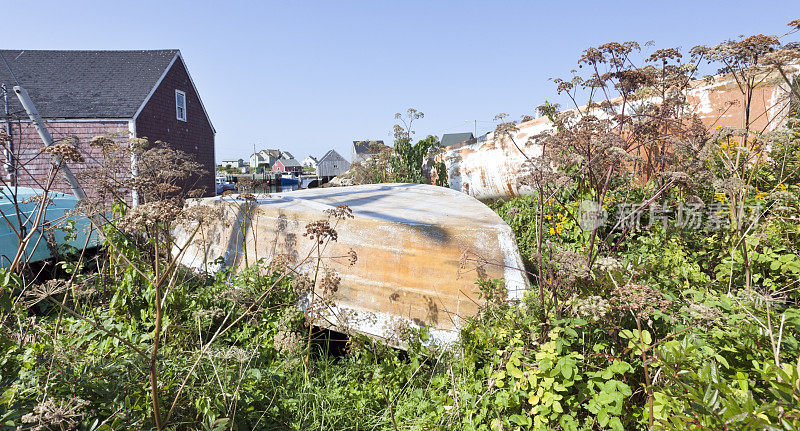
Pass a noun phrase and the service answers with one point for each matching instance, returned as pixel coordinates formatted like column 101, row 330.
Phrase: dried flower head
column 608, row 264
column 302, row 285
column 593, row 308
column 341, row 212
column 52, row 414
column 320, row 231
column 288, row 342
column 329, row 283
column 102, row 142
column 150, row 215
column 703, row 314
column 65, row 151
column 640, row 299
column 247, row 197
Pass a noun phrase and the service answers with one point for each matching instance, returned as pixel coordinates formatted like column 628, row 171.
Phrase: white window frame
column 178, row 107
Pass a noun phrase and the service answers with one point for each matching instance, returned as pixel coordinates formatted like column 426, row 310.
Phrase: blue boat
column 64, row 227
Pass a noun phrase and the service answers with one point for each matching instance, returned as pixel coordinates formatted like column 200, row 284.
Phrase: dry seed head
column 67, row 152
column 640, row 299
column 329, row 283
column 352, row 257
column 320, row 231
column 341, row 212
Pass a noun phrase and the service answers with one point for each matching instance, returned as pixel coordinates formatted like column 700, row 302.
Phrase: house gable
column 157, row 121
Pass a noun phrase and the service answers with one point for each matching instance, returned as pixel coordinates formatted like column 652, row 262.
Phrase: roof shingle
column 85, row 84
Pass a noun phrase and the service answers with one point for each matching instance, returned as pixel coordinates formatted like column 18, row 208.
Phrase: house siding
column 332, row 166
column 158, row 122
column 34, row 166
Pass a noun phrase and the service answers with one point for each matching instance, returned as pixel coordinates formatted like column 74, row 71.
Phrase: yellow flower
column 720, row 197
column 552, row 231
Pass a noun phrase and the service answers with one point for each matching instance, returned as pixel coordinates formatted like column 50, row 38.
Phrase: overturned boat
column 57, row 227
column 410, row 255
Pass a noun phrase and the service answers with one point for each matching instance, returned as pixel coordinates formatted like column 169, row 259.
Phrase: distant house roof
column 449, row 139
column 86, row 84
column 362, row 147
column 310, row 157
column 332, row 155
column 286, row 155
column 288, row 163
column 271, row 153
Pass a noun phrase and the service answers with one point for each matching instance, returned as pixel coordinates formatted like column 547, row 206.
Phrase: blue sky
column 309, row 76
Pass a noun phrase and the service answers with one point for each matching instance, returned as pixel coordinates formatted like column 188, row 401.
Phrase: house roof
column 288, row 163
column 449, row 139
column 271, row 153
column 362, row 147
column 332, row 154
column 86, row 84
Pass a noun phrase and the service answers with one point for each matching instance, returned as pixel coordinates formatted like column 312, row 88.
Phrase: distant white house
column 264, row 159
column 233, row 163
column 310, row 162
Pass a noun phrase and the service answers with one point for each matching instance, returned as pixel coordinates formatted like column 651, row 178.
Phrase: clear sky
column 309, row 76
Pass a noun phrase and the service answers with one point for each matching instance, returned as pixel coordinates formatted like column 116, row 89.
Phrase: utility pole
column 9, row 150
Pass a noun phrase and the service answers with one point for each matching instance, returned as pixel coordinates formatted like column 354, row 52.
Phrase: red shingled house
column 83, row 94
column 291, row 166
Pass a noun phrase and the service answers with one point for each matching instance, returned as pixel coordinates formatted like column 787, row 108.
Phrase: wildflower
column 302, row 285
column 105, row 143
column 341, row 212
column 640, row 299
column 320, row 231
column 287, row 342
column 65, row 151
column 702, row 313
column 352, row 257
column 329, row 283
column 52, row 414
column 594, row 307
column 608, row 264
